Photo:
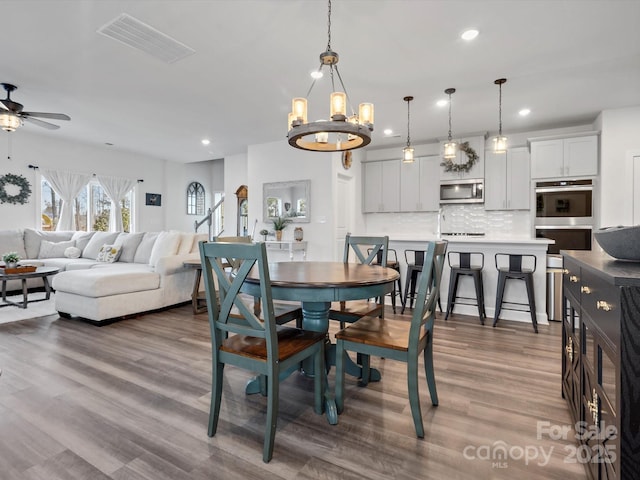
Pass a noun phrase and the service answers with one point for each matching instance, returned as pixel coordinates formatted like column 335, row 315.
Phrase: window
column 91, row 208
column 195, row 199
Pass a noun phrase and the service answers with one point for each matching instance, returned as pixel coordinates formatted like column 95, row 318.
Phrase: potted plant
column 279, row 224
column 11, row 259
column 264, row 232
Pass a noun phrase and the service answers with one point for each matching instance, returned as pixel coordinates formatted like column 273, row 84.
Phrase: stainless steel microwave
column 462, row 191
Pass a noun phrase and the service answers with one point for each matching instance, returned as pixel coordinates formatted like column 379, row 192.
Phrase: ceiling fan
column 11, row 114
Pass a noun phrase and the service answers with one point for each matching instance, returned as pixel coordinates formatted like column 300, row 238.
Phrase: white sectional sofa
column 147, row 274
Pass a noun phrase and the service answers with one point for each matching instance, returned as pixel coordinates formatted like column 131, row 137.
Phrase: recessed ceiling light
column 316, row 74
column 388, row 132
column 442, row 103
column 524, row 112
column 206, row 141
column 469, row 34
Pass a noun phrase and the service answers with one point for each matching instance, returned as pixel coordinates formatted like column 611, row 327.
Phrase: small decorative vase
column 298, row 234
column 278, row 235
column 11, row 264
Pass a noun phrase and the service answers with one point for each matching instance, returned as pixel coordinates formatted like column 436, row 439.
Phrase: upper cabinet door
column 547, row 158
column 518, row 179
column 420, row 185
column 477, row 171
column 581, row 156
column 495, row 182
column 391, row 186
column 372, row 187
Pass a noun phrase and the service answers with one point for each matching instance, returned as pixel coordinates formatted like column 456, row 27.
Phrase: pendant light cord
column 500, row 111
column 449, row 118
column 408, row 123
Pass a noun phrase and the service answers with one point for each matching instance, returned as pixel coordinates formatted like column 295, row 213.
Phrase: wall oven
column 564, row 213
column 462, row 191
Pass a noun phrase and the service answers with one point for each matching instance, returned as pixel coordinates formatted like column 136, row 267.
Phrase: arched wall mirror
column 287, row 199
column 243, row 211
column 195, row 199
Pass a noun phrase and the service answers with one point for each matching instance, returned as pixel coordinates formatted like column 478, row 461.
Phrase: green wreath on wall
column 472, row 158
column 19, row 181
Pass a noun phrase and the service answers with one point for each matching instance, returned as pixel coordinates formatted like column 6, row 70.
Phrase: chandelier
column 450, row 150
column 500, row 142
column 407, row 152
column 344, row 131
column 9, row 121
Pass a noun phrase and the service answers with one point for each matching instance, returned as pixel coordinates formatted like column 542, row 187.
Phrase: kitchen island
column 489, row 246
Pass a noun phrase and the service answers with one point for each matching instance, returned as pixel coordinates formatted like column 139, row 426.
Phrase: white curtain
column 116, row 189
column 67, row 185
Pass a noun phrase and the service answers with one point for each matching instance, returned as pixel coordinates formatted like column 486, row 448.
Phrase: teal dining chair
column 367, row 251
column 398, row 339
column 249, row 342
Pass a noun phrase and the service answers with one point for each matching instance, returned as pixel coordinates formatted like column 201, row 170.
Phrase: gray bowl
column 620, row 242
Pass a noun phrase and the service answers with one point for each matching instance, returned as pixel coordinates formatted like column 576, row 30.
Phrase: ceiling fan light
column 10, row 122
column 450, row 150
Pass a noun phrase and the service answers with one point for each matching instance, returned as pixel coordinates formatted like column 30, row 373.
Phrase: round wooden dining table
column 316, row 285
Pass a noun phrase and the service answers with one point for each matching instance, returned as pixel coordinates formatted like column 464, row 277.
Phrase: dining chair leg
column 414, row 398
column 340, row 361
column 273, row 385
column 366, row 369
column 428, row 370
column 216, row 398
column 319, row 381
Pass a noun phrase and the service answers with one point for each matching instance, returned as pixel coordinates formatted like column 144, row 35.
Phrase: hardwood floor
column 130, row 401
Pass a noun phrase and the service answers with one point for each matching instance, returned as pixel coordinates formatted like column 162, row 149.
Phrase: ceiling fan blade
column 4, row 106
column 40, row 123
column 53, row 116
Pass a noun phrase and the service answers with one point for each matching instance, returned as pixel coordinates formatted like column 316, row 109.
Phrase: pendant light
column 407, row 152
column 500, row 142
column 343, row 131
column 450, row 150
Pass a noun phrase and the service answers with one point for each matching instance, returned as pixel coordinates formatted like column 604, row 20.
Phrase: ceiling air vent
column 134, row 33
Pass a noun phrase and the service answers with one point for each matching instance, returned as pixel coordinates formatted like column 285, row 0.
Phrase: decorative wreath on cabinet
column 472, row 158
column 20, row 182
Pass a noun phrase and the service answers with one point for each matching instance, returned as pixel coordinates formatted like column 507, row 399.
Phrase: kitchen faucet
column 441, row 217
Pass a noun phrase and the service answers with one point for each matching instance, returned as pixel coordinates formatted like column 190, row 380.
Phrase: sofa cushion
column 12, row 241
column 102, row 282
column 32, row 239
column 81, row 239
column 98, row 240
column 199, row 237
column 186, row 242
column 166, row 244
column 109, row 254
column 129, row 243
column 54, row 249
column 143, row 252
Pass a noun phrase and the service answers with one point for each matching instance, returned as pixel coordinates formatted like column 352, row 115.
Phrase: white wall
column 619, row 136
column 48, row 151
column 235, row 175
column 279, row 162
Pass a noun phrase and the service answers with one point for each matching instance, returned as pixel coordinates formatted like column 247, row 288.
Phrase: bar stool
column 467, row 264
column 414, row 268
column 510, row 266
column 392, row 262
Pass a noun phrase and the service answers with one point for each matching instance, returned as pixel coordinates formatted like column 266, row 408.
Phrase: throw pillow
column 54, row 249
column 109, row 253
column 33, row 238
column 186, row 242
column 166, row 244
column 97, row 240
column 143, row 252
column 72, row 252
column 129, row 243
column 82, row 239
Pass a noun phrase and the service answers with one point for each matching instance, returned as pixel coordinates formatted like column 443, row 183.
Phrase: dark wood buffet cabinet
column 601, row 361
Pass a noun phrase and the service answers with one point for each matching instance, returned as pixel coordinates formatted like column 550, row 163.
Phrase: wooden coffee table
column 41, row 272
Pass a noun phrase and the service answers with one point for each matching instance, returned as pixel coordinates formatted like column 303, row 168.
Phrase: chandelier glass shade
column 343, row 131
column 450, row 148
column 9, row 121
column 500, row 142
column 407, row 152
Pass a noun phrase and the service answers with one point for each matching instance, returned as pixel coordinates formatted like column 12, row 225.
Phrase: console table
column 290, row 246
column 601, row 358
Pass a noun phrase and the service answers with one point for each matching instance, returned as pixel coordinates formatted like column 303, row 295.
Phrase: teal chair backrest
column 216, row 259
column 366, row 249
column 428, row 288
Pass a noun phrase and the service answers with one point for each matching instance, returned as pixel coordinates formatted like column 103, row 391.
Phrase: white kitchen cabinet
column 420, row 185
column 381, row 186
column 477, row 171
column 507, row 183
column 564, row 157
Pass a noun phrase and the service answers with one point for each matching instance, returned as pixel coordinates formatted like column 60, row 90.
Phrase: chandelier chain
column 329, row 27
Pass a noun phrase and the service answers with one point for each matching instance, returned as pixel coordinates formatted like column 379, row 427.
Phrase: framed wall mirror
column 195, row 199
column 287, row 199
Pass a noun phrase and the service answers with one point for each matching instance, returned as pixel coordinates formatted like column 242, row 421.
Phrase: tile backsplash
column 457, row 218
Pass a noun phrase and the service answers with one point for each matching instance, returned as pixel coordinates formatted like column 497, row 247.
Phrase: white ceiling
column 566, row 60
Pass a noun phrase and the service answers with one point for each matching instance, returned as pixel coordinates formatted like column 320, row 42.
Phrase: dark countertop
column 617, row 272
